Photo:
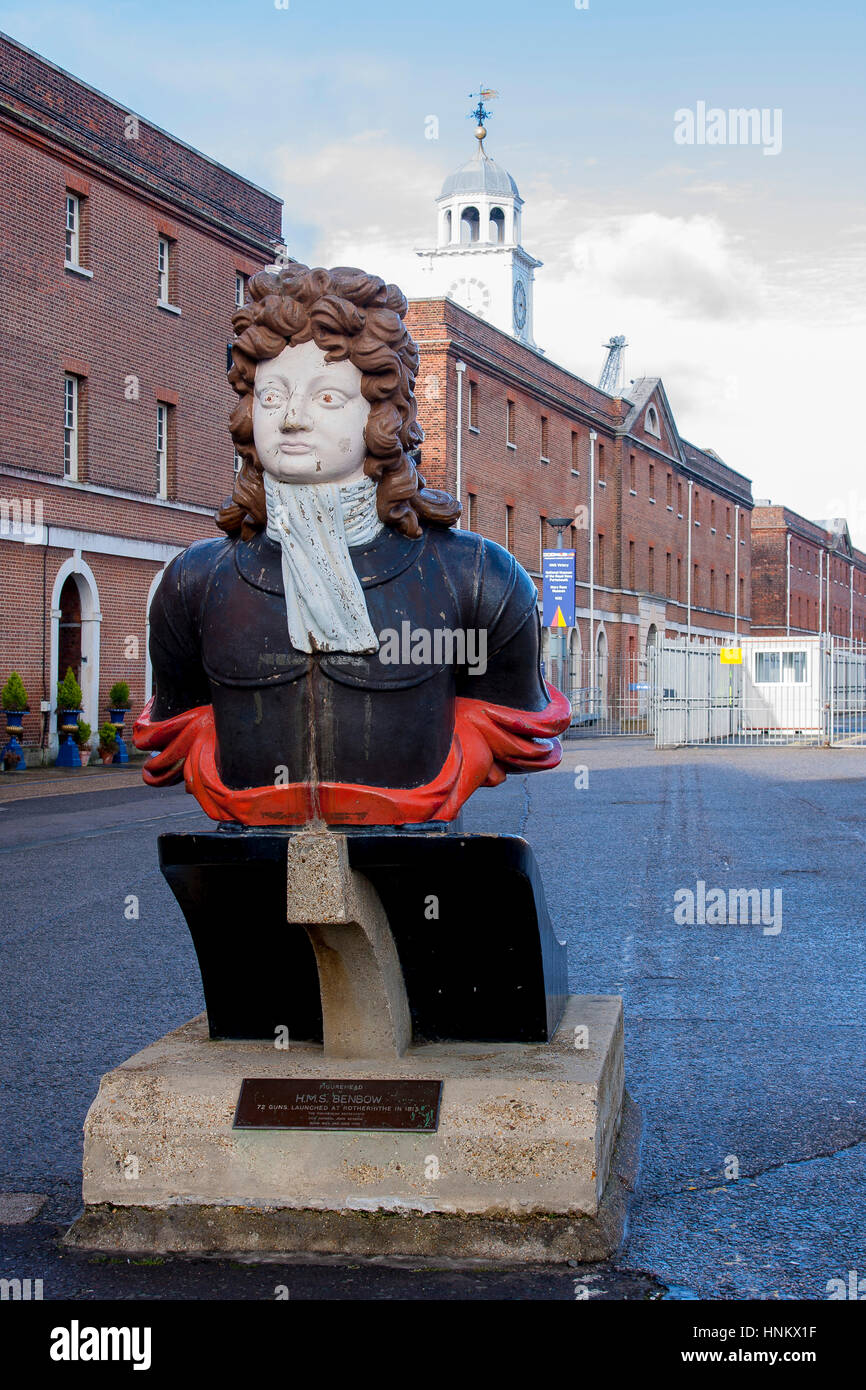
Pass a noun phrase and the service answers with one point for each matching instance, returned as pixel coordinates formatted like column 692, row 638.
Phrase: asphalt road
column 745, row 1049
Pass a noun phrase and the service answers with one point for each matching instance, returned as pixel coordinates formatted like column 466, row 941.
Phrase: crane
column 611, row 372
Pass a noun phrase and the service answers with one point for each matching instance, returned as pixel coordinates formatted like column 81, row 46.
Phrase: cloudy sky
column 737, row 276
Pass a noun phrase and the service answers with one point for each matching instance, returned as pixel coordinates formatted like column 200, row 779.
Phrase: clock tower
column 478, row 260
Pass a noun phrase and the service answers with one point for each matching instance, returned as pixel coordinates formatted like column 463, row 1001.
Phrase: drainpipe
column 689, row 574
column 820, row 591
column 593, row 436
column 460, row 368
column 788, row 589
column 827, row 604
column 736, row 568
column 851, row 603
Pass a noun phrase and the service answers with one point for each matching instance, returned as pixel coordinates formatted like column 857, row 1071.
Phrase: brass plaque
column 280, row 1102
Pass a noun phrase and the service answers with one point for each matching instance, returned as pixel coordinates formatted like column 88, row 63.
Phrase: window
column 601, row 473
column 742, row 519
column 727, row 592
column 472, row 518
column 680, row 500
column 728, row 522
column 473, row 406
column 469, row 225
column 542, row 527
column 497, row 225
column 599, row 563
column 509, row 425
column 631, row 564
column 240, row 289
column 713, row 513
column 679, row 579
column 238, row 463
column 73, row 229
column 695, row 585
column 71, row 388
column 668, row 574
column 651, row 422
column 652, row 483
column 742, row 594
column 509, row 529
column 575, row 456
column 712, row 588
column 775, row 668
column 632, row 478
column 162, row 451
column 545, row 440
column 163, row 270
column 696, row 506
column 651, row 570
column 669, row 491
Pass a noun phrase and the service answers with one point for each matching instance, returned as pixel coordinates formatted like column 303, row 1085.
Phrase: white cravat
column 315, row 523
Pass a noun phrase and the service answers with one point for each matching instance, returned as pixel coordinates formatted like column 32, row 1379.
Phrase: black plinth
column 488, row 968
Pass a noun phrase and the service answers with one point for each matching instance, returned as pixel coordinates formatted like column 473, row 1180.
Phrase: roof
column 480, row 174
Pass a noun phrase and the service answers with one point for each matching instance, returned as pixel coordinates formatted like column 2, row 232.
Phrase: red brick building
column 669, row 523
column 807, row 577
column 124, row 253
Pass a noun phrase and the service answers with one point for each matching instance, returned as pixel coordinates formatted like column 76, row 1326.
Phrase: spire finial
column 481, row 114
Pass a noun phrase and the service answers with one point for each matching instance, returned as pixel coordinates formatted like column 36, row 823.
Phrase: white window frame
column 651, row 422
column 509, row 523
column 161, row 450
column 240, row 289
column 163, row 270
column 73, row 229
column 237, row 463
column 71, row 388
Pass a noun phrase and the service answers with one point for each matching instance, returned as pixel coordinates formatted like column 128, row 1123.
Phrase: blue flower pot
column 67, row 723
column 117, row 717
column 14, row 730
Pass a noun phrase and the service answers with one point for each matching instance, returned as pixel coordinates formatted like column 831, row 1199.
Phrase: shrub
column 118, row 696
column 107, row 736
column 14, row 695
column 69, row 694
column 82, row 734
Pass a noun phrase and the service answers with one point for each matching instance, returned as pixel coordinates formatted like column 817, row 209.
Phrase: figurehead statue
column 343, row 655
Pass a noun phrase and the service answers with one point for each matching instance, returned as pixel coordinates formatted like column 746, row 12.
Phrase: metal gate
column 782, row 690
column 609, row 696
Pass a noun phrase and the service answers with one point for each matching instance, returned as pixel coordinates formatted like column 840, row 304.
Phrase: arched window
column 469, row 225
column 652, row 422
column 497, row 225
column 446, row 226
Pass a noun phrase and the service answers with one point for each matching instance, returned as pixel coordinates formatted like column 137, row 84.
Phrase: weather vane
column 481, row 114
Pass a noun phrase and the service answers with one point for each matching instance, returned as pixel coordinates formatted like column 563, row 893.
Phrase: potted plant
column 107, row 742
column 82, row 738
column 15, row 706
column 118, row 704
column 70, row 702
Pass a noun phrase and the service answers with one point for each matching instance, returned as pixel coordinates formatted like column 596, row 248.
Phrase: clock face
column 519, row 305
column 472, row 294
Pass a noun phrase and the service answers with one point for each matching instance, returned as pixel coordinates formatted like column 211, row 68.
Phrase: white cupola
column 478, row 260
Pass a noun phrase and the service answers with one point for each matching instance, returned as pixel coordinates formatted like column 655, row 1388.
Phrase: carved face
column 309, row 417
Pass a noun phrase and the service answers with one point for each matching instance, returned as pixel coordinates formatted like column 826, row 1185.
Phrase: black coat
column 218, row 635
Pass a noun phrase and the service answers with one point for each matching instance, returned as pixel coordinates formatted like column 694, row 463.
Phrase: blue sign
column 558, row 600
column 639, row 685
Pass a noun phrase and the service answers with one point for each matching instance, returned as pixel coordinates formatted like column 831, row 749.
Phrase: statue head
column 325, row 370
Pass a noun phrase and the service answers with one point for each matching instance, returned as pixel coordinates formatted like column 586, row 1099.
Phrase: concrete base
column 521, row 1167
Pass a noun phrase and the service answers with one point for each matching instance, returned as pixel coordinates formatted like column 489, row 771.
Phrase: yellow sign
column 558, row 620
column 731, row 656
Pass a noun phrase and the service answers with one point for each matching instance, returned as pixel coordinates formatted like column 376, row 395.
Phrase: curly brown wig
column 348, row 314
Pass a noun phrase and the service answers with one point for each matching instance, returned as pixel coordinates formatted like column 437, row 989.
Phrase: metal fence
column 782, row 690
column 610, row 697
